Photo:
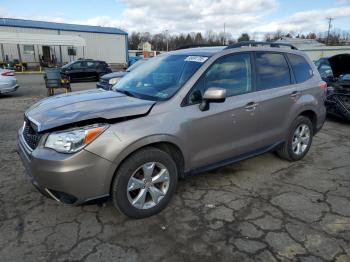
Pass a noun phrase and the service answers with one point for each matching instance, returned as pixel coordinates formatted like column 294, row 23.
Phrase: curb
column 29, row 73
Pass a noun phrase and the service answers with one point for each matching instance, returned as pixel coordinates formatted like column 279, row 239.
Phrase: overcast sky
column 252, row 16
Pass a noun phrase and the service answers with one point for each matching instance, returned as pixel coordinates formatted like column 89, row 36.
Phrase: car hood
column 85, row 105
column 340, row 64
column 114, row 75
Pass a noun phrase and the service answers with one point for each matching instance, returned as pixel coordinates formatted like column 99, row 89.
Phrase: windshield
column 161, row 77
column 136, row 64
column 67, row 65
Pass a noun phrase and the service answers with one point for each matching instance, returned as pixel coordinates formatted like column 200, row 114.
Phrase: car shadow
column 337, row 119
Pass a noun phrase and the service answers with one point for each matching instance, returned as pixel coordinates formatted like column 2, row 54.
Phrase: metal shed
column 36, row 41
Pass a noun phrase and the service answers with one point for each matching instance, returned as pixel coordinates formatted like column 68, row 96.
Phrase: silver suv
column 180, row 113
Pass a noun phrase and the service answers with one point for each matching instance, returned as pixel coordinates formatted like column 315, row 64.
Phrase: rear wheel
column 144, row 183
column 299, row 140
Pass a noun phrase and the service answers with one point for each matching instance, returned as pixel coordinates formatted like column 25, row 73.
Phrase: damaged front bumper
column 338, row 104
column 67, row 178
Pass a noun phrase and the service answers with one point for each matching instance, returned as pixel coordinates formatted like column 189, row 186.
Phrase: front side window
column 161, row 77
column 301, row 68
column 77, row 65
column 272, row 71
column 232, row 73
column 325, row 70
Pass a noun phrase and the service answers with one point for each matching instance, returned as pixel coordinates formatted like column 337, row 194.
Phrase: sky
column 256, row 17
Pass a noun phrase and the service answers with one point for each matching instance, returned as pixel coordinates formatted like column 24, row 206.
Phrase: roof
column 212, row 50
column 60, row 26
column 200, row 51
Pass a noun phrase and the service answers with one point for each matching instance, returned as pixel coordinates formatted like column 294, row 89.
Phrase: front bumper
column 68, row 178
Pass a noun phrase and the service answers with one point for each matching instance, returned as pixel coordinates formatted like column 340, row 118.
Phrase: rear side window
column 102, row 64
column 272, row 71
column 91, row 64
column 301, row 68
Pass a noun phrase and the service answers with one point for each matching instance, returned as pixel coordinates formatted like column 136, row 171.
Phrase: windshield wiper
column 125, row 92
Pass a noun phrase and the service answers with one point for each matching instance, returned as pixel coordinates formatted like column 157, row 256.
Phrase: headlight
column 71, row 141
column 113, row 81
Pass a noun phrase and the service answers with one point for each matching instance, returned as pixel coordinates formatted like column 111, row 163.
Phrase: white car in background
column 8, row 81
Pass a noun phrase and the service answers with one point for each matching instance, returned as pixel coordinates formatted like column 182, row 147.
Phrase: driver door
column 227, row 130
column 76, row 70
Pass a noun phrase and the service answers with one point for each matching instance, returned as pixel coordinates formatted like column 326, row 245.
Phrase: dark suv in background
column 109, row 80
column 180, row 113
column 86, row 70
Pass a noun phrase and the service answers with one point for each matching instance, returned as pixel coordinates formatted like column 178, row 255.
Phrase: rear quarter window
column 301, row 68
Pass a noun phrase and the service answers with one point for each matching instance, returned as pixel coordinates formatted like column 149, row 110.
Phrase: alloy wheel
column 148, row 185
column 301, row 139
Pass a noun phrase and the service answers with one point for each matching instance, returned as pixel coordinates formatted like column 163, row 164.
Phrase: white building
column 34, row 41
column 315, row 49
column 145, row 46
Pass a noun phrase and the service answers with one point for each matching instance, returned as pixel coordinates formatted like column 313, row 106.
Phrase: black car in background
column 85, row 70
column 335, row 71
column 109, row 80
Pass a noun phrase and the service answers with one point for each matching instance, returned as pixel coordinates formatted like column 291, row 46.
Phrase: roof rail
column 253, row 43
column 199, row 45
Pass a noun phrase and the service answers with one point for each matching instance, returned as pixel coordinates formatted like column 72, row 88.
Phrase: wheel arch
column 165, row 143
column 311, row 114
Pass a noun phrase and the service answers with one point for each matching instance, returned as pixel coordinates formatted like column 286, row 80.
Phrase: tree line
column 164, row 41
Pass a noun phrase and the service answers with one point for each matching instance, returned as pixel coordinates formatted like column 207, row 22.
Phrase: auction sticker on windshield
column 198, row 59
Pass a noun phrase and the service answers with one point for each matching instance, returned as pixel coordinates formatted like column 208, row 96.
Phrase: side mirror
column 212, row 95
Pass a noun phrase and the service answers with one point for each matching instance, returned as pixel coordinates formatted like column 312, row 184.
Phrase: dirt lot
column 262, row 209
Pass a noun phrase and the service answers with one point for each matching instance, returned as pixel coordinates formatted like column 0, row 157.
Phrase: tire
column 133, row 168
column 288, row 150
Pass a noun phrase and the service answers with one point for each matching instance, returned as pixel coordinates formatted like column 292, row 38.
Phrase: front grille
column 103, row 81
column 31, row 136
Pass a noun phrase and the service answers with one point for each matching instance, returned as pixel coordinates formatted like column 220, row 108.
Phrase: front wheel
column 298, row 141
column 144, row 183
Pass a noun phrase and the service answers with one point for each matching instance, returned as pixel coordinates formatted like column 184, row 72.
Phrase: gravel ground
column 262, row 209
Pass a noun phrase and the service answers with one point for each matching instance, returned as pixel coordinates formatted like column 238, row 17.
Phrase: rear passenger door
column 91, row 70
column 276, row 94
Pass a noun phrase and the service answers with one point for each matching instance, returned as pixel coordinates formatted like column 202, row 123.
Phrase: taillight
column 8, row 74
column 323, row 86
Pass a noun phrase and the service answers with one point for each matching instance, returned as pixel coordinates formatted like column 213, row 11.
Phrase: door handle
column 251, row 106
column 295, row 94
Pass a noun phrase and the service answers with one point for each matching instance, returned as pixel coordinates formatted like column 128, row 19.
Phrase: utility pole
column 167, row 40
column 330, row 19
column 224, row 40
